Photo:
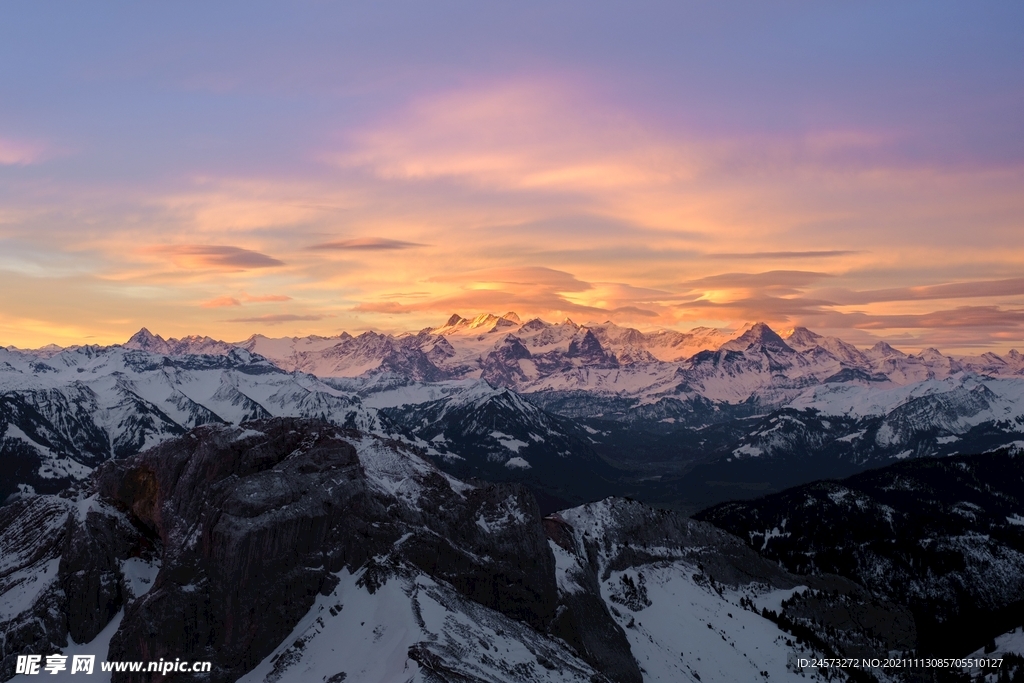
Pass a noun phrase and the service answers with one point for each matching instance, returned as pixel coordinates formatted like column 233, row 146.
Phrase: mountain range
column 683, row 419
column 495, row 499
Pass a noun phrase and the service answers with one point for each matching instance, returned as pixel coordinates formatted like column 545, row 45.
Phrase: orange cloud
column 530, row 276
column 265, row 298
column 277, row 318
column 387, row 307
column 215, row 257
column 536, row 197
column 221, row 302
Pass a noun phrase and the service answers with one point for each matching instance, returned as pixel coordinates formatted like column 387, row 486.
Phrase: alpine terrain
column 505, row 500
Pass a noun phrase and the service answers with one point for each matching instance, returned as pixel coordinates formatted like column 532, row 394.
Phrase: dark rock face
column 90, row 572
column 247, row 526
column 238, row 520
column 585, row 622
column 589, row 349
column 760, row 337
column 500, row 367
column 67, row 553
column 253, row 528
column 32, row 533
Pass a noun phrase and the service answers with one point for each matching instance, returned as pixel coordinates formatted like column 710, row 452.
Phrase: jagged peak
column 454, row 320
column 483, row 319
column 144, row 334
column 761, row 329
column 512, row 317
column 883, row 348
column 144, row 340
column 758, row 335
column 801, row 335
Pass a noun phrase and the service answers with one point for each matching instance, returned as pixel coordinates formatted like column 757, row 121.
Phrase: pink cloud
column 516, row 135
column 19, row 152
column 277, row 319
column 221, row 302
column 248, row 298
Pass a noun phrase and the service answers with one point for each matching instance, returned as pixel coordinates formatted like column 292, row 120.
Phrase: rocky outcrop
column 62, row 560
column 501, row 366
column 249, row 525
column 255, row 525
column 655, row 567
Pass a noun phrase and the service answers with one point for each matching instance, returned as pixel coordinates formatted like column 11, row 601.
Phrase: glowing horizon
column 295, row 170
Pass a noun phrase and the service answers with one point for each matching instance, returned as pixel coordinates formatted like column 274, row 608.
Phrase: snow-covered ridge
column 71, row 409
column 602, row 359
column 62, row 416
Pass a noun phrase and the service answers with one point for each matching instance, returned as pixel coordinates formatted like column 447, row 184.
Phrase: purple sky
column 307, row 168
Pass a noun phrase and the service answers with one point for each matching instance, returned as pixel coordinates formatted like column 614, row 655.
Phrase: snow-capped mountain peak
column 144, row 340
column 802, row 338
column 760, row 335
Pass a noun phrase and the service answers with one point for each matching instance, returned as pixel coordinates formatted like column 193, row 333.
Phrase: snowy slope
column 64, row 411
column 61, row 417
column 413, row 629
column 657, row 579
column 601, row 359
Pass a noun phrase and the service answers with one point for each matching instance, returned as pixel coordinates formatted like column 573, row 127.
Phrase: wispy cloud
column 774, row 281
column 952, row 290
column 975, row 317
column 543, row 195
column 265, row 298
column 221, row 302
column 387, row 307
column 754, row 255
column 529, row 276
column 244, row 298
column 365, row 244
column 276, row 319
column 218, row 257
column 530, row 134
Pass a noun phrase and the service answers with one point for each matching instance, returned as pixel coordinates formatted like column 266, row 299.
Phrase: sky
column 298, row 168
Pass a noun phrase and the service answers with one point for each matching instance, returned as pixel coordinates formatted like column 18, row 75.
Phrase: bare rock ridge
column 249, row 525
